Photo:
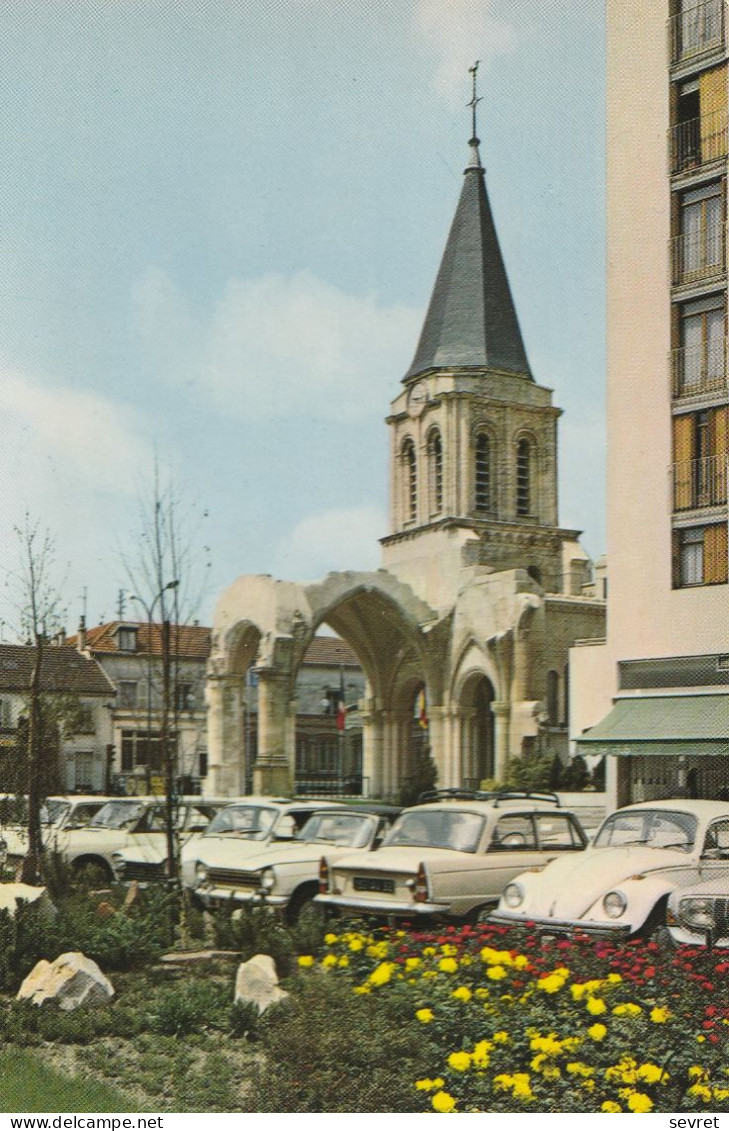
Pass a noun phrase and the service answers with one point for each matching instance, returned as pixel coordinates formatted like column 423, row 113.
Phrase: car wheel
column 302, row 907
column 655, row 922
column 92, row 872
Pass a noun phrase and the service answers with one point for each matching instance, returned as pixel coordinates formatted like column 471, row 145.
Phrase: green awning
column 662, row 724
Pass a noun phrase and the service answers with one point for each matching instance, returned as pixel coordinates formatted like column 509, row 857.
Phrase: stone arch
column 478, row 727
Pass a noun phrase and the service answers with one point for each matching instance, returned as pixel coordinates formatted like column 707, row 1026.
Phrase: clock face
column 417, row 399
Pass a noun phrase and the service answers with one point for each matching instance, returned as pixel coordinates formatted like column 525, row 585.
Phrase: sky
column 221, row 223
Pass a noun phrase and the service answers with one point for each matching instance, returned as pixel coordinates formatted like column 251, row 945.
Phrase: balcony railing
column 698, row 141
column 699, row 369
column 698, row 256
column 696, row 30
column 699, row 483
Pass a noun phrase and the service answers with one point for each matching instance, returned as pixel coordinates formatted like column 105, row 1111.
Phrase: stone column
column 273, row 770
column 440, row 743
column 226, row 742
column 373, row 749
column 502, row 714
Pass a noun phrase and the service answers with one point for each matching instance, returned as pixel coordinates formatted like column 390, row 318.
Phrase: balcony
column 698, row 256
column 699, row 370
column 695, row 31
column 699, row 483
column 698, row 141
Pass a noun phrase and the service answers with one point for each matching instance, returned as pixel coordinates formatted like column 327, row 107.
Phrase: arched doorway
column 477, row 736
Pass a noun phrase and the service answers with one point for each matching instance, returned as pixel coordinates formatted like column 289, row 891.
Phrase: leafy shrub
column 256, row 930
column 190, row 1008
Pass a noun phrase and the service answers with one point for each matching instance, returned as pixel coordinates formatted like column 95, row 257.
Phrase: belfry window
column 410, row 481
column 435, row 472
column 483, row 477
column 523, row 478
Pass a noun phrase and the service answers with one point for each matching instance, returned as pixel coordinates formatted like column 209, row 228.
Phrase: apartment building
column 655, row 697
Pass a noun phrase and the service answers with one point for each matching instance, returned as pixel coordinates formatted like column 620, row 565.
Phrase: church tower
column 473, row 437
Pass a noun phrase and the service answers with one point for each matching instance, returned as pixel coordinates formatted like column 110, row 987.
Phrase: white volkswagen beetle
column 621, row 884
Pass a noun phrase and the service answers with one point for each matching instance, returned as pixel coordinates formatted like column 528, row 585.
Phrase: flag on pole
column 341, row 705
column 422, row 709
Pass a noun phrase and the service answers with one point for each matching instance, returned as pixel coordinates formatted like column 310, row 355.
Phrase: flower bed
column 530, row 1025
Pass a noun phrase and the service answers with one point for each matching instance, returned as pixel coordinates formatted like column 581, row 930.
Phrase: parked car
column 698, row 915
column 58, row 816
column 126, row 821
column 451, row 857
column 247, row 824
column 620, row 886
column 286, row 875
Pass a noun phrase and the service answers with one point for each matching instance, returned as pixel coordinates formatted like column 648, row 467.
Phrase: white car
column 620, row 886
column 247, row 825
column 58, row 815
column 698, row 915
column 285, row 875
column 452, row 857
column 124, row 822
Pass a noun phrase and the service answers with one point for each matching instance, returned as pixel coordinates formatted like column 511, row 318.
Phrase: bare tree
column 167, row 572
column 39, row 607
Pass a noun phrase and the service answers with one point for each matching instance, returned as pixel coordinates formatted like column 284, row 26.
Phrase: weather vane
column 474, row 100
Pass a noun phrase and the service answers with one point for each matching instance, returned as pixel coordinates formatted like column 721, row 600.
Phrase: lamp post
column 165, row 753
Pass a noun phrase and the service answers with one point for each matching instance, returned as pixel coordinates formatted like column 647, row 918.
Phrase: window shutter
column 713, row 122
column 719, row 434
column 716, row 547
column 683, row 454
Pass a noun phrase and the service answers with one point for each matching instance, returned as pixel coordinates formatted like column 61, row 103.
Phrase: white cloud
column 279, row 346
column 333, row 540
column 459, row 31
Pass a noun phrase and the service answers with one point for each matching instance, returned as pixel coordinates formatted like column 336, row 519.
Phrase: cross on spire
column 475, row 99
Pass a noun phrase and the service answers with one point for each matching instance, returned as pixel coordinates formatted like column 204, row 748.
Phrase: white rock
column 257, row 982
column 38, row 896
column 72, row 980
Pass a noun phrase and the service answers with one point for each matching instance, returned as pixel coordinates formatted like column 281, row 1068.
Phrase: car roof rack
column 527, row 795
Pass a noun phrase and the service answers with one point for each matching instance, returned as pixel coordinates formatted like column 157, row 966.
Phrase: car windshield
column 351, row 830
column 53, row 811
column 437, row 828
column 251, row 821
column 657, row 828
column 117, row 815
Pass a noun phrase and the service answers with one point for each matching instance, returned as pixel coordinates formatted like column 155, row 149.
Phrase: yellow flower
column 615, row 978
column 330, row 939
column 480, row 1054
column 413, row 963
column 696, row 1072
column 659, row 1014
column 428, row 951
column 448, row 965
column 355, row 945
column 579, row 1068
column 382, row 974
column 459, row 1061
column 430, row 973
column 443, row 1102
column 627, row 1009
column 521, row 1089
column 721, row 1093
column 551, row 983
column 424, row 1015
column 343, row 961
column 361, row 989
column 639, row 1102
column 700, row 1039
column 329, row 960
column 609, row 1105
column 306, row 960
column 496, row 973
column 520, row 961
column 651, row 1073
column 597, row 1032
column 449, row 950
column 462, row 994
column 500, row 1038
column 596, row 1006
column 423, row 1085
column 700, row 1092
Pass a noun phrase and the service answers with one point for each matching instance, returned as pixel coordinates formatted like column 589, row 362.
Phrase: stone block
column 257, row 982
column 70, row 981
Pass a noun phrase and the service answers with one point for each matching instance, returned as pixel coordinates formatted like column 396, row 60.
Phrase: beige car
column 452, row 857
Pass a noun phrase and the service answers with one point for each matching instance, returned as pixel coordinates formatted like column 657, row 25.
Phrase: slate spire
column 471, row 319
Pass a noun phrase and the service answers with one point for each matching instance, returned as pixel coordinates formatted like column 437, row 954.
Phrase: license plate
column 367, row 883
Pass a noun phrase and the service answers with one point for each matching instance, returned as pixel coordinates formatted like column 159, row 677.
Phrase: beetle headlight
column 201, row 873
column 268, row 879
column 697, row 913
column 513, row 895
column 614, row 904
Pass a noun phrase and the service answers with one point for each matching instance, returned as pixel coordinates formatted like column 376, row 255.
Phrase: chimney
column 81, row 638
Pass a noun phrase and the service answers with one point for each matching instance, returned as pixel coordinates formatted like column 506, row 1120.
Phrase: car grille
column 721, row 918
column 372, row 883
column 229, row 878
column 138, row 870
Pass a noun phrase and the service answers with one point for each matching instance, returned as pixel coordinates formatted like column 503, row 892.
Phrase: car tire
column 92, row 871
column 302, row 902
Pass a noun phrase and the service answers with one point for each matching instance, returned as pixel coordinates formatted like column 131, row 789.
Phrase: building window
column 184, row 697
column 126, row 639
column 699, row 135
column 553, row 698
column 435, row 472
column 700, row 556
column 483, row 474
column 566, row 697
column 698, row 249
column 143, row 748
column 523, row 477
column 410, row 481
column 127, row 700
column 696, row 27
column 5, row 713
column 700, row 449
column 699, row 365
column 84, row 771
